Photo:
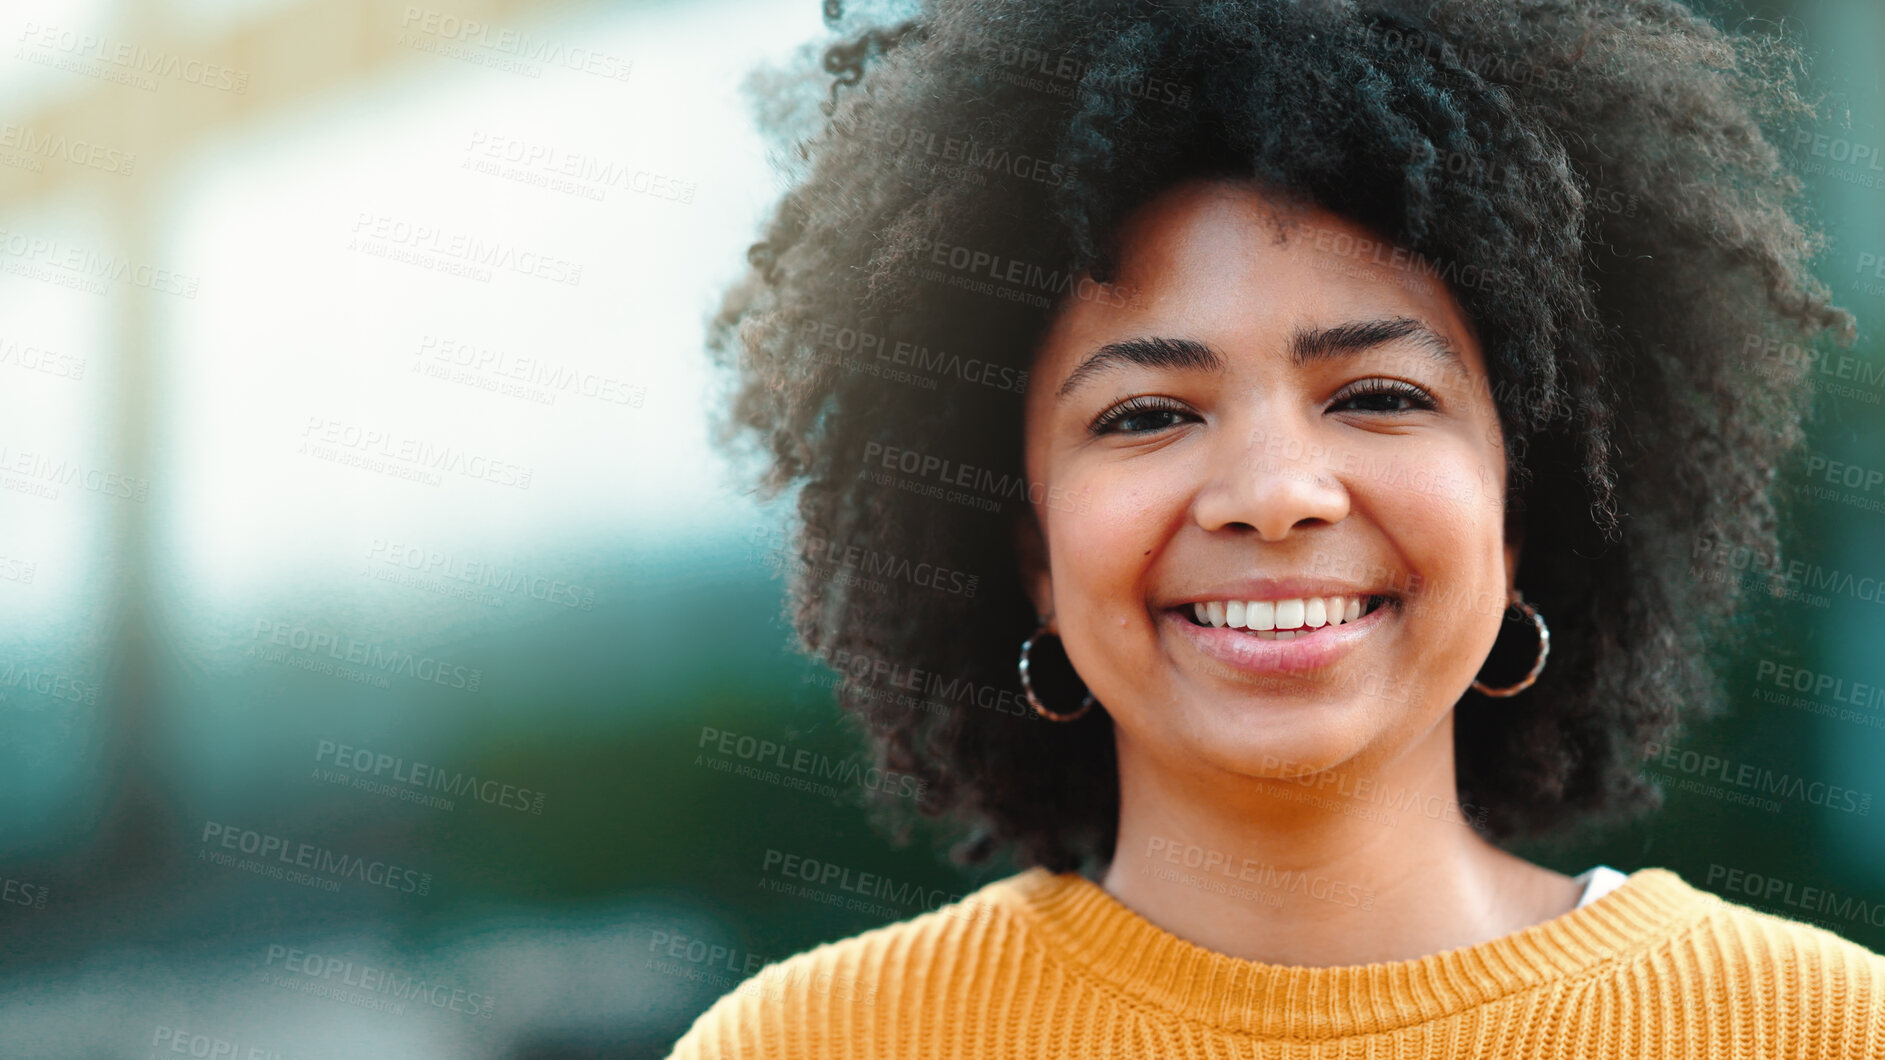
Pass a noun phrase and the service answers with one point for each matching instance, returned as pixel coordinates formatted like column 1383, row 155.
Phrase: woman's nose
column 1270, row 481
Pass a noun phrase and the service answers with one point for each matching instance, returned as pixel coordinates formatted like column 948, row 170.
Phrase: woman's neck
column 1350, row 868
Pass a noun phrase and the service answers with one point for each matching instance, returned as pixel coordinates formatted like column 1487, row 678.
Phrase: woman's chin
column 1280, row 738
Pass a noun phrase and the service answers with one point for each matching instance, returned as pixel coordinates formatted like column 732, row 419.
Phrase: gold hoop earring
column 1538, row 667
column 1027, row 686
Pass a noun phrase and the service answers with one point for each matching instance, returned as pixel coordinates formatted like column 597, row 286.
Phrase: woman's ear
column 1031, row 553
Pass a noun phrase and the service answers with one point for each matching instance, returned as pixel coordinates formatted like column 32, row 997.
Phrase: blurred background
column 390, row 666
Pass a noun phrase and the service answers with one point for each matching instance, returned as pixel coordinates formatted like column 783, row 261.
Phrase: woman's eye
column 1386, row 397
column 1136, row 417
column 1140, row 422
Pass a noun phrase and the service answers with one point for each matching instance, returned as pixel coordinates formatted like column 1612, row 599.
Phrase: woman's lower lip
column 1252, row 654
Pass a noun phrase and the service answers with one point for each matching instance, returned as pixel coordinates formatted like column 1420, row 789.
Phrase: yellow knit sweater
column 1051, row 966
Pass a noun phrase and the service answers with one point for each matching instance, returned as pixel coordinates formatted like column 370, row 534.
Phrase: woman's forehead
column 1228, row 263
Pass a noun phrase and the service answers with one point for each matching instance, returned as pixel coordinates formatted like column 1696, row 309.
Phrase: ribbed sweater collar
column 1135, row 958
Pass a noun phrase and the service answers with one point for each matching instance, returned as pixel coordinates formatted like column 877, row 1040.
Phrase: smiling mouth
column 1282, row 619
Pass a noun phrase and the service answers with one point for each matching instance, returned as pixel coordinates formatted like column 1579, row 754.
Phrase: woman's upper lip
column 1277, row 589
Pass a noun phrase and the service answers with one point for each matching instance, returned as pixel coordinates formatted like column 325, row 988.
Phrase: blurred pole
column 293, row 55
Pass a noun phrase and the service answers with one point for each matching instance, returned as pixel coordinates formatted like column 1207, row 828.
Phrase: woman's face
column 1268, row 418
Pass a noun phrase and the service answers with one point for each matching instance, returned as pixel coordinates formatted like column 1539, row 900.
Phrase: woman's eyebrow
column 1306, row 346
column 1181, row 354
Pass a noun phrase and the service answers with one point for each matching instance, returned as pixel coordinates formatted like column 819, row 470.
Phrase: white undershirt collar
column 1598, row 881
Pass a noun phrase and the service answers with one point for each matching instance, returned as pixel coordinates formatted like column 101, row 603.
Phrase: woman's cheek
column 1099, row 550
column 1134, row 507
column 1451, row 536
column 1101, row 557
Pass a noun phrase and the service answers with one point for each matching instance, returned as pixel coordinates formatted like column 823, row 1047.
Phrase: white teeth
column 1280, row 616
column 1271, row 615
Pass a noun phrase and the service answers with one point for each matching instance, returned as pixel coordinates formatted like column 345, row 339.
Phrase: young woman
column 1310, row 411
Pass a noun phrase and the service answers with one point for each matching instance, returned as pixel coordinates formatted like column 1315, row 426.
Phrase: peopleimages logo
column 393, row 984
column 1849, row 152
column 39, row 359
column 522, row 375
column 19, row 892
column 883, row 673
column 991, row 485
column 343, row 442
column 167, row 1041
column 131, row 59
column 869, row 884
column 367, row 764
column 1837, row 689
column 58, row 471
column 363, row 653
column 1046, row 70
column 101, row 157
column 943, row 149
column 524, row 47
column 1750, row 777
column 1021, row 276
column 783, row 756
column 1778, row 891
column 47, row 683
column 479, row 574
column 330, row 865
column 1209, row 862
column 80, row 263
column 420, row 243
column 869, row 561
column 1369, row 792
column 1775, row 356
column 750, row 974
column 861, row 347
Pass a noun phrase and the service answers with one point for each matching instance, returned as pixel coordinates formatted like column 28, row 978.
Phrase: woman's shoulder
column 852, row 990
column 1788, row 943
column 1784, row 960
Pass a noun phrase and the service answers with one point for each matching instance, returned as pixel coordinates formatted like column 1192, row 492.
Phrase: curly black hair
column 1590, row 175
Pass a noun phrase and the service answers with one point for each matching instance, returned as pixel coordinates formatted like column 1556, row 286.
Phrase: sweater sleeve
column 727, row 1030
column 1793, row 988
column 818, row 1004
